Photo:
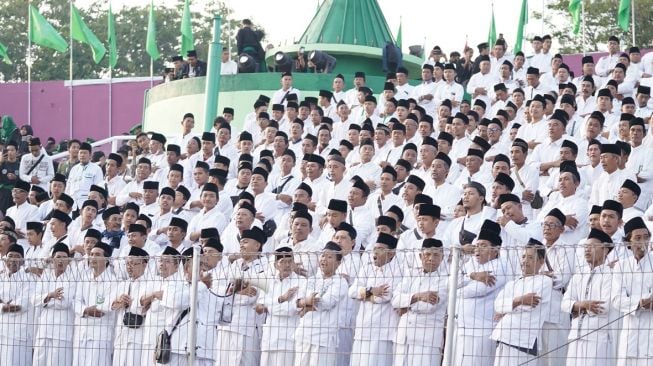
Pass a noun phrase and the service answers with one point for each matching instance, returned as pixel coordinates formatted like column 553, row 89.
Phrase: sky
column 424, row 22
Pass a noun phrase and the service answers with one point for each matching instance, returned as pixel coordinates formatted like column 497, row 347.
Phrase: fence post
column 192, row 329
column 447, row 358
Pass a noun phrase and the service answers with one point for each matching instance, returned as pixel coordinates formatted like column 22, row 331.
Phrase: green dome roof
column 355, row 22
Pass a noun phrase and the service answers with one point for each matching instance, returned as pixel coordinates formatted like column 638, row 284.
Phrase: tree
column 131, row 30
column 600, row 23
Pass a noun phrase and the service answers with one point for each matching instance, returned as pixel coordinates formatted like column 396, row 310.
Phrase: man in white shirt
column 127, row 305
column 112, row 179
column 281, row 95
column 17, row 315
column 546, row 155
column 404, row 90
column 229, row 66
column 523, row 304
column 133, row 191
column 165, row 300
column 461, row 142
column 424, row 93
column 368, row 169
column 635, row 274
column 351, row 95
column 498, row 55
column 606, row 63
column 241, row 336
column 83, row 175
column 473, row 171
column 376, row 321
column 53, row 298
column 538, row 59
column 534, row 85
column 359, row 215
column 422, row 297
column 161, row 220
column 265, row 202
column 303, row 244
column 36, row 167
column 338, row 86
column 643, row 97
column 320, row 307
column 325, row 101
column 339, row 186
column 640, row 161
column 22, row 211
column 208, row 216
column 570, row 202
column 282, row 315
column 590, row 299
column 484, row 275
column 609, row 182
column 480, row 85
column 450, row 89
column 150, row 207
column 534, row 132
column 95, row 320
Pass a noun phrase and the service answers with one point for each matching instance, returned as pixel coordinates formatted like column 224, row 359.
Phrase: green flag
column 111, row 39
column 42, row 33
column 492, row 34
column 151, row 46
column 575, row 10
column 623, row 16
column 80, row 32
column 523, row 20
column 399, row 35
column 187, row 43
column 4, row 55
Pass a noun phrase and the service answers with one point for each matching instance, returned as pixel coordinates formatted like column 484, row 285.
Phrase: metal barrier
column 535, row 306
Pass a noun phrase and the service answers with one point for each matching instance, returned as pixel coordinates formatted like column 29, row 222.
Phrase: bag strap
column 35, row 164
column 285, row 95
column 181, row 316
column 279, row 189
column 521, row 183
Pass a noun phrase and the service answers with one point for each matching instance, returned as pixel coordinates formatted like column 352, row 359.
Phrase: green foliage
column 600, row 23
column 131, row 34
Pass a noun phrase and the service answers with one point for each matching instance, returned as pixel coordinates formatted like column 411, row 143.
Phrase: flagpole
column 151, row 72
column 29, row 67
column 70, row 73
column 632, row 20
column 229, row 40
column 110, row 73
column 582, row 19
column 110, row 93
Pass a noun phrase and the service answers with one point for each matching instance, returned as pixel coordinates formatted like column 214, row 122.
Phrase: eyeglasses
column 495, row 129
column 546, row 225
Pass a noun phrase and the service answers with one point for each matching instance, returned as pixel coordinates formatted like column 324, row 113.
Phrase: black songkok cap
column 388, row 240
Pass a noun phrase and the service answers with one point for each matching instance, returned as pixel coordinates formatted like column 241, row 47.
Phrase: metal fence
column 528, row 307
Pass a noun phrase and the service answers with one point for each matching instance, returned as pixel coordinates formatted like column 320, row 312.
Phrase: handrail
column 113, row 140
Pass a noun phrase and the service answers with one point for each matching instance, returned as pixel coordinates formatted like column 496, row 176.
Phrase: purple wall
column 50, row 108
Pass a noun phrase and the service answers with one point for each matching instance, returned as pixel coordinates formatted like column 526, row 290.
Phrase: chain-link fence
column 538, row 305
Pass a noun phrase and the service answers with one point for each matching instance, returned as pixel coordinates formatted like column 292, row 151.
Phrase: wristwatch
column 368, row 292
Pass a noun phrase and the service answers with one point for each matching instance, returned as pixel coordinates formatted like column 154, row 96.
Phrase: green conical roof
column 356, row 22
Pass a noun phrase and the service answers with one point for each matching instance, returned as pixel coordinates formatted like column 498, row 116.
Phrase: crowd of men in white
column 327, row 228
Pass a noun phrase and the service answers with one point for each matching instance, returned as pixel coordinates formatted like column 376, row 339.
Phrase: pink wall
column 50, row 108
